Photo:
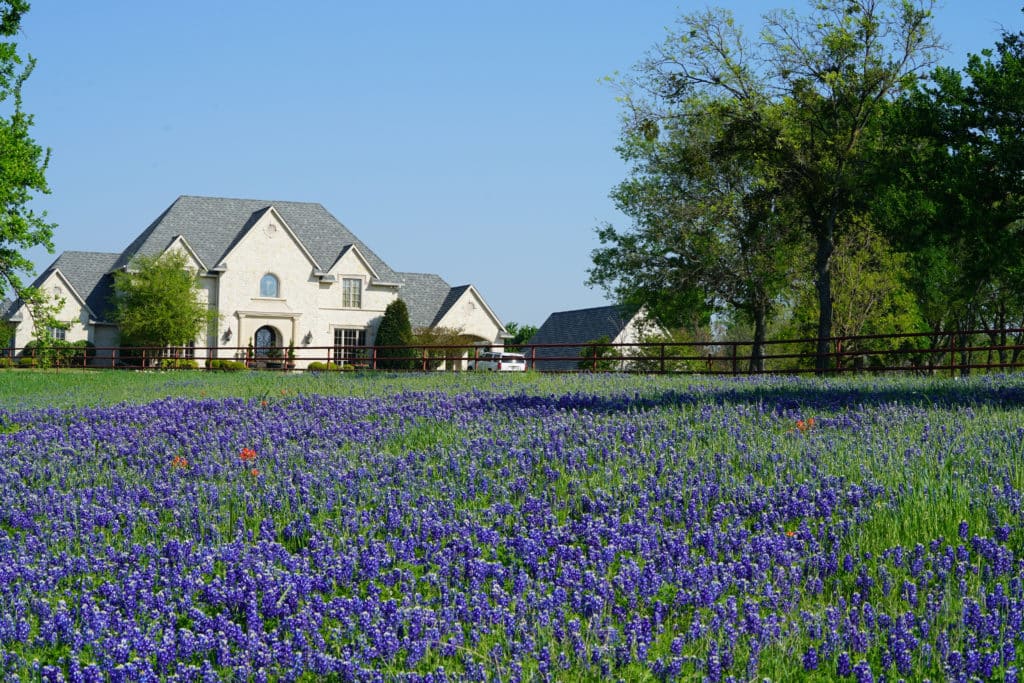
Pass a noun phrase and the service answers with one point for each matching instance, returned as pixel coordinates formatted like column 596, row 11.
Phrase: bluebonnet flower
column 810, row 659
column 862, row 670
column 844, row 666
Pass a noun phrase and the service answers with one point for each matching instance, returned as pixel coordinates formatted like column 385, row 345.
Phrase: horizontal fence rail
column 947, row 352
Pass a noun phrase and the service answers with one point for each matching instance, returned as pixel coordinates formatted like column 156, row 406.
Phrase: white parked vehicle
column 499, row 361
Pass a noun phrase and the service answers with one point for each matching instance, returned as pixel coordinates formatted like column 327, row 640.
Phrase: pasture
column 189, row 526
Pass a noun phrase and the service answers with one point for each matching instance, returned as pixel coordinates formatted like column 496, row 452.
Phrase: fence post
column 735, row 367
column 952, row 354
column 663, row 358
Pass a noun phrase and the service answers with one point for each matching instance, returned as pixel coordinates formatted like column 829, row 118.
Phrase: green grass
column 21, row 388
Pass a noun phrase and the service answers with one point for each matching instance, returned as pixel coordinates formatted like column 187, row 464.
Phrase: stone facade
column 283, row 272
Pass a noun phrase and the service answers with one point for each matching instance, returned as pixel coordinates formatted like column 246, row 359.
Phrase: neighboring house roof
column 6, row 309
column 577, row 327
column 213, row 225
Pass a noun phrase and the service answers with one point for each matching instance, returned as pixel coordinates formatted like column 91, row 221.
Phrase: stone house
column 277, row 273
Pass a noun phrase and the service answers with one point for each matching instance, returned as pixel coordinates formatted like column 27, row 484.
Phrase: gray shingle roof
column 212, row 225
column 89, row 273
column 6, row 308
column 577, row 327
column 424, row 295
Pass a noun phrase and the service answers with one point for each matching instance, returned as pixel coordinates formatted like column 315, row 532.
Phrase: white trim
column 70, row 288
column 189, row 249
column 353, row 248
column 291, row 315
column 480, row 299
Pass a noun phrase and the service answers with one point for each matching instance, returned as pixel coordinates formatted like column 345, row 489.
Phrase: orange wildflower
column 179, row 462
column 804, row 425
column 791, row 533
column 247, row 455
column 254, row 472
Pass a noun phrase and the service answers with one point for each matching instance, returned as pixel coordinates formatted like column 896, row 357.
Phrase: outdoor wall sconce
column 308, row 339
column 227, row 335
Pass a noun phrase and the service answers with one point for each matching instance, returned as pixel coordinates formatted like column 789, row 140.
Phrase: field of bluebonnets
column 479, row 528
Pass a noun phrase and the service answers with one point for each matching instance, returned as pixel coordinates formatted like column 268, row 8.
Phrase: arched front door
column 266, row 339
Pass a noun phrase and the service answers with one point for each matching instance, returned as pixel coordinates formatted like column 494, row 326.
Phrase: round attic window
column 270, row 229
column 58, row 292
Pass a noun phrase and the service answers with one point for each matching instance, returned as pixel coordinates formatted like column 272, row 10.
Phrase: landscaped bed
column 466, row 528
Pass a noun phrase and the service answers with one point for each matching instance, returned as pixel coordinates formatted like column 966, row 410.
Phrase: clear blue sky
column 470, row 139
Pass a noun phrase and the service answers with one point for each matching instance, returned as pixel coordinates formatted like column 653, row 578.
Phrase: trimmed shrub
column 85, row 351
column 27, row 362
column 225, row 365
column 6, row 362
column 319, row 366
column 178, row 364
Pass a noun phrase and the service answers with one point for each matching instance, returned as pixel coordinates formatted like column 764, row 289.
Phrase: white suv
column 499, row 361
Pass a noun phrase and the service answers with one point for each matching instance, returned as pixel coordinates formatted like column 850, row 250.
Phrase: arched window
column 268, row 286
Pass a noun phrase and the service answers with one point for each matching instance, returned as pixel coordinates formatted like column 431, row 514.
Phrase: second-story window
column 268, row 286
column 352, row 292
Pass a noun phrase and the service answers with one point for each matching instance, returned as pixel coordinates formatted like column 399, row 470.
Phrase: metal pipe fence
column 953, row 352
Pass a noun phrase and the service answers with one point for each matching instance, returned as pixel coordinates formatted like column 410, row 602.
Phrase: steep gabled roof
column 453, row 295
column 578, row 327
column 424, row 295
column 88, row 272
column 212, row 225
column 6, row 308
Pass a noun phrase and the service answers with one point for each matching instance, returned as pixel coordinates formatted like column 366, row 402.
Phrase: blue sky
column 470, row 139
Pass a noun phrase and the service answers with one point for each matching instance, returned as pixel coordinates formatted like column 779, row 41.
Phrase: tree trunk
column 823, row 284
column 760, row 332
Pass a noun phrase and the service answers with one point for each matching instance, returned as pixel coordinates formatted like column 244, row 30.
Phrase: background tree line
column 824, row 179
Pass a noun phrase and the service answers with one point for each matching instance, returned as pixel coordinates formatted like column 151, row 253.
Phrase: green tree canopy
column 709, row 231
column 453, row 343
column 22, row 164
column 521, row 333
column 803, row 104
column 957, row 202
column 870, row 296
column 156, row 302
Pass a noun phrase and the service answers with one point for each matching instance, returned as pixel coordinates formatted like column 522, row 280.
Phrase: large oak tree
column 803, row 104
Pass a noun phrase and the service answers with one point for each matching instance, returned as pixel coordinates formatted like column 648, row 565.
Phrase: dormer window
column 269, row 286
column 351, row 292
